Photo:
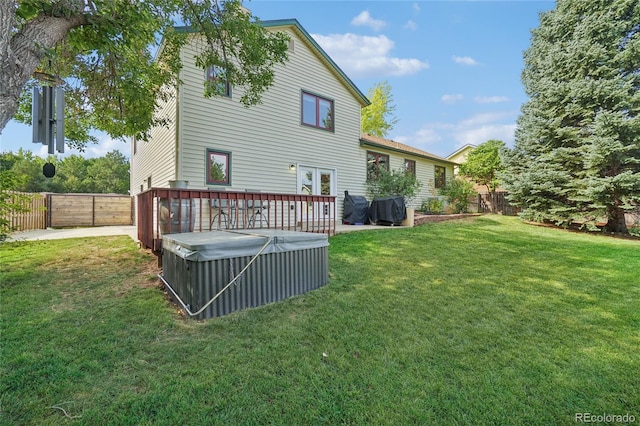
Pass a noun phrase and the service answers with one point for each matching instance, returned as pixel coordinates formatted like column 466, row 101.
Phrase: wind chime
column 47, row 116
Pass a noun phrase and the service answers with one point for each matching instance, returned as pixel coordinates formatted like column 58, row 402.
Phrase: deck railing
column 169, row 210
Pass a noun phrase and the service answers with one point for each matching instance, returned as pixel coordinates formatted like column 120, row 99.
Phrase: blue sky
column 454, row 66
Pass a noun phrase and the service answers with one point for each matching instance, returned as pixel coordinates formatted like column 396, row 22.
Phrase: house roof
column 461, row 150
column 315, row 47
column 322, row 55
column 377, row 142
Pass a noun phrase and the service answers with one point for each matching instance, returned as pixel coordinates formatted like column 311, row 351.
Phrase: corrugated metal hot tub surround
column 198, row 265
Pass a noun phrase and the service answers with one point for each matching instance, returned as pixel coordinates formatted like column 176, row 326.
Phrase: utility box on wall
column 199, row 265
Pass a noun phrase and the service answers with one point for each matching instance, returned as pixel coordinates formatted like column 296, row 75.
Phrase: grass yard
column 480, row 321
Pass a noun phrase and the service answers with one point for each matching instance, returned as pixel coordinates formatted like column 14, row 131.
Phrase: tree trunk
column 616, row 220
column 22, row 52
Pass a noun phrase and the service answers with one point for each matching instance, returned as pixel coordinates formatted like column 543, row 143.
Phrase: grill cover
column 356, row 209
column 388, row 211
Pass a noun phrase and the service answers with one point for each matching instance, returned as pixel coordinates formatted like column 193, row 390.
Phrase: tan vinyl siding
column 425, row 172
column 265, row 139
column 157, row 157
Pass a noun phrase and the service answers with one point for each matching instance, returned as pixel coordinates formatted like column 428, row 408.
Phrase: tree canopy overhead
column 104, row 50
column 577, row 150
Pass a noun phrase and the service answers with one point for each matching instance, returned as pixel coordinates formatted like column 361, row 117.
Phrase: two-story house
column 304, row 138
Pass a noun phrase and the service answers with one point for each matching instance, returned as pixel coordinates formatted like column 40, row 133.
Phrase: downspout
column 178, row 138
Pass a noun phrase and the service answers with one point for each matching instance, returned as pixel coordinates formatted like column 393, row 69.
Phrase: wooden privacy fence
column 71, row 210
column 31, row 213
column 502, row 204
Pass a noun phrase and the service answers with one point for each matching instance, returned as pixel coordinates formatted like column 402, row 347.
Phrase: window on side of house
column 375, row 162
column 317, row 111
column 410, row 166
column 218, row 167
column 216, row 81
column 440, row 176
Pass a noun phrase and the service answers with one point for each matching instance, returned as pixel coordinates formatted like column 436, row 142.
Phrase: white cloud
column 105, row 145
column 490, row 99
column 451, row 99
column 364, row 19
column 444, row 138
column 411, row 25
column 484, row 118
column 367, row 56
column 478, row 135
column 416, row 8
column 465, row 60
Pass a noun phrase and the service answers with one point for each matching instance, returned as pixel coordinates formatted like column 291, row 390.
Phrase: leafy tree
column 104, row 50
column 377, row 119
column 217, row 171
column 457, row 192
column 74, row 174
column 26, row 170
column 483, row 165
column 577, row 150
column 10, row 201
column 110, row 174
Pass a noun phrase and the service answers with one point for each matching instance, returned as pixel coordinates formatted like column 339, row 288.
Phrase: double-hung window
column 375, row 162
column 217, row 82
column 317, row 111
column 410, row 166
column 218, row 167
column 440, row 178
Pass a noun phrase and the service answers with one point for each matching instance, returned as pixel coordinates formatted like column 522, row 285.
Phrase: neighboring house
column 460, row 156
column 304, row 138
column 433, row 171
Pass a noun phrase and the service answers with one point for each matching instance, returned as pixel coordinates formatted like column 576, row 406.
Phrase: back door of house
column 316, row 181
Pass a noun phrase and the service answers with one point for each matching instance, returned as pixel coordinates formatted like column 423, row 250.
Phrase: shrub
column 396, row 182
column 10, row 202
column 432, row 205
column 457, row 192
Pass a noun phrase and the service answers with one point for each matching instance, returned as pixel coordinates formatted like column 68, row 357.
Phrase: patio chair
column 256, row 209
column 222, row 210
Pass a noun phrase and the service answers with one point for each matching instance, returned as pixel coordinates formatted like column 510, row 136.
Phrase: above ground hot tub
column 198, row 266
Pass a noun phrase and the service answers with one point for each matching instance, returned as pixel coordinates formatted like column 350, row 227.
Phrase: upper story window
column 217, row 82
column 375, row 162
column 440, row 177
column 410, row 166
column 317, row 111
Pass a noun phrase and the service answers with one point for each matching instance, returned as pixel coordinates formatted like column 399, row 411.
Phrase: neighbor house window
column 218, row 167
column 217, row 82
column 375, row 162
column 317, row 111
column 410, row 166
column 440, row 177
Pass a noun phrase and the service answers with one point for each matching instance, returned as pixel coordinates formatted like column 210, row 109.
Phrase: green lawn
column 480, row 321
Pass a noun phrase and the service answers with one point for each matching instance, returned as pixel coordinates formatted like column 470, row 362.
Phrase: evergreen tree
column 577, row 151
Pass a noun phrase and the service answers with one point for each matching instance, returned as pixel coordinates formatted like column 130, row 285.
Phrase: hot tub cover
column 212, row 245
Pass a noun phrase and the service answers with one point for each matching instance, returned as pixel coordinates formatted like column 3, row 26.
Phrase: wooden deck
column 163, row 211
